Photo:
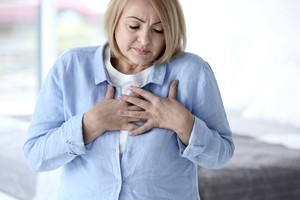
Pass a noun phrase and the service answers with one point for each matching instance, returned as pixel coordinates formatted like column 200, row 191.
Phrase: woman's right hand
column 104, row 117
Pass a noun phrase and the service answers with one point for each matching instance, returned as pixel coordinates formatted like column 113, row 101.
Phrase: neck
column 126, row 67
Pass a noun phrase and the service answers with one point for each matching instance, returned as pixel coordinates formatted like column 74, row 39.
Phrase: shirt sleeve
column 52, row 140
column 210, row 144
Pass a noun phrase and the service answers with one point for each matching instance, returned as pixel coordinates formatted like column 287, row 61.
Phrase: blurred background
column 253, row 46
column 33, row 34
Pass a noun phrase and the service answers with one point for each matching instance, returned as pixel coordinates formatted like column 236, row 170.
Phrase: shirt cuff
column 74, row 137
column 197, row 141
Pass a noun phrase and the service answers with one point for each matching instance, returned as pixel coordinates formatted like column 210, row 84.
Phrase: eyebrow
column 141, row 20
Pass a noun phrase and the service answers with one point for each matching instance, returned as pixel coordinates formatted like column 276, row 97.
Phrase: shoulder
column 76, row 62
column 80, row 53
column 80, row 57
column 189, row 62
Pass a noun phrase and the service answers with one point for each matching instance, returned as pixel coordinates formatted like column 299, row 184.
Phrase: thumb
column 110, row 92
column 173, row 89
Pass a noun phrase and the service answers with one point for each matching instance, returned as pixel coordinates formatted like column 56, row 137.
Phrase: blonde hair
column 172, row 19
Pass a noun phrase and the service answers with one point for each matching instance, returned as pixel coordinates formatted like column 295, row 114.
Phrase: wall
column 246, row 42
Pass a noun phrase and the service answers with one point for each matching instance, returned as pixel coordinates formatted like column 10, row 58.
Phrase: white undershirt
column 124, row 81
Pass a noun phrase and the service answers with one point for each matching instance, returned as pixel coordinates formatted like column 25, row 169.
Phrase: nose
column 144, row 37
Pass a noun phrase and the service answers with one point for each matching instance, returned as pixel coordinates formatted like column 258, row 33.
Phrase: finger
column 110, row 92
column 173, row 89
column 136, row 95
column 143, row 93
column 135, row 101
column 134, row 108
column 134, row 120
column 129, row 126
column 141, row 129
column 140, row 115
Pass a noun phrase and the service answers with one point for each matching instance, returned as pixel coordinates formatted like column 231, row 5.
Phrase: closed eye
column 134, row 27
column 158, row 31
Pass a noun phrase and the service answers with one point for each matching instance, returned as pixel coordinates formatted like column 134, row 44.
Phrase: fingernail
column 131, row 133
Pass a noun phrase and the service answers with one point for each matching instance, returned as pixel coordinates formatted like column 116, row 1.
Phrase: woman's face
column 139, row 33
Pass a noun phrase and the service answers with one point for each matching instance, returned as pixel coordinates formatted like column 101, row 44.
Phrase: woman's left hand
column 165, row 113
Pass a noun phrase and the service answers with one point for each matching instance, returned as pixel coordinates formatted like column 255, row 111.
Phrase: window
column 33, row 34
column 18, row 57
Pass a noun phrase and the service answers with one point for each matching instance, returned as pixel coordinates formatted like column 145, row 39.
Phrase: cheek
column 118, row 38
column 159, row 45
column 124, row 40
column 121, row 37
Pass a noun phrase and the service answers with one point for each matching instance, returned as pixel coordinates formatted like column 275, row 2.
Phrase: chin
column 140, row 63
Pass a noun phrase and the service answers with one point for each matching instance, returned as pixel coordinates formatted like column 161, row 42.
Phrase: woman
column 131, row 119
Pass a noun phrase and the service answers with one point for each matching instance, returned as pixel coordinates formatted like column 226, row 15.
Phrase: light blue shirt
column 155, row 165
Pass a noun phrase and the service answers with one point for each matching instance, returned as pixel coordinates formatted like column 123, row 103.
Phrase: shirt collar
column 156, row 75
column 100, row 73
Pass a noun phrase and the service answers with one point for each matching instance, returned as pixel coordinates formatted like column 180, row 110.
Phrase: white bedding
column 264, row 130
column 16, row 178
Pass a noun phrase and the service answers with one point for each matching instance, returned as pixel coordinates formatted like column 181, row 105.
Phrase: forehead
column 141, row 9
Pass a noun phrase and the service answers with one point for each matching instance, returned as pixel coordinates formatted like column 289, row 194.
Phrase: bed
column 16, row 179
column 265, row 165
column 258, row 171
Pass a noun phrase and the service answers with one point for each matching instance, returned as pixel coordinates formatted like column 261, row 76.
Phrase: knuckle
column 157, row 101
column 138, row 101
column 139, row 115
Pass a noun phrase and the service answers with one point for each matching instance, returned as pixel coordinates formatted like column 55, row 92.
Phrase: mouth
column 142, row 51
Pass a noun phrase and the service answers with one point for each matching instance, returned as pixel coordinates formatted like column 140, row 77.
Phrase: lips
column 142, row 51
